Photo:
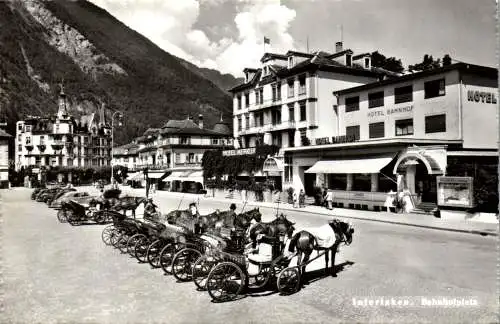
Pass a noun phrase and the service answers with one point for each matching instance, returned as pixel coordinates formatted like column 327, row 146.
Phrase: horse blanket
column 325, row 236
column 214, row 241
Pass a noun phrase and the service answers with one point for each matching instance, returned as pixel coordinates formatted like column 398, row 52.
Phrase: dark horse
column 129, row 203
column 306, row 243
column 273, row 233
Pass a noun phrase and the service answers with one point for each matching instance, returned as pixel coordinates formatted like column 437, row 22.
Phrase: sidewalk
column 416, row 220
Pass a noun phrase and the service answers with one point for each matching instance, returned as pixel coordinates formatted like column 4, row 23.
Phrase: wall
column 4, row 160
column 417, row 109
column 479, row 119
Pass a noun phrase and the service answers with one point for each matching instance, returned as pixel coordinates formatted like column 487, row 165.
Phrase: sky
column 228, row 35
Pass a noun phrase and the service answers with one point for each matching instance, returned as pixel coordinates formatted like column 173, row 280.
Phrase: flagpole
column 307, row 44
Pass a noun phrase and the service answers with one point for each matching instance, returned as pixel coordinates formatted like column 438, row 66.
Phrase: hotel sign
column 390, row 111
column 335, row 140
column 247, row 151
column 481, row 96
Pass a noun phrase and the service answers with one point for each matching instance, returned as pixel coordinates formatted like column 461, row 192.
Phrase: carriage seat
column 263, row 256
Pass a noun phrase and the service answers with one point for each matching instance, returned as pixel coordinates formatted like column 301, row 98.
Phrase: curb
column 457, row 230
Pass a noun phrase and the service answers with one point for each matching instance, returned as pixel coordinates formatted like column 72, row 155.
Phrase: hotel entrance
column 425, row 184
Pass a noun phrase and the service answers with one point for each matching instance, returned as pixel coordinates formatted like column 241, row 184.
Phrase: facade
column 400, row 134
column 287, row 101
column 126, row 155
column 63, row 140
column 4, row 158
column 173, row 153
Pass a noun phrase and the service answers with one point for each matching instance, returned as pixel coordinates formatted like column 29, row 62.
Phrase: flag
column 267, row 40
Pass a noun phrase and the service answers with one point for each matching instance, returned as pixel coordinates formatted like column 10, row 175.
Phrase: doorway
column 309, row 182
column 425, row 184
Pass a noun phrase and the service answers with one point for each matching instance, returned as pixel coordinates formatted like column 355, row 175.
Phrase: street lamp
column 120, row 115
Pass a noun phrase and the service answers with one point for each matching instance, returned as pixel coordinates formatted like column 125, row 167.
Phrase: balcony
column 188, row 164
column 254, row 129
column 266, row 104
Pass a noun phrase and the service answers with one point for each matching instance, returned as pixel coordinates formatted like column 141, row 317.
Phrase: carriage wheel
column 183, row 262
column 61, row 215
column 289, row 281
column 261, row 279
column 115, row 237
column 166, row 257
column 107, row 233
column 141, row 248
column 122, row 242
column 131, row 243
column 225, row 282
column 201, row 269
column 153, row 253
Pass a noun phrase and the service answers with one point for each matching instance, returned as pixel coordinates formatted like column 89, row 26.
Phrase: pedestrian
column 329, row 199
column 295, row 198
column 302, row 198
column 148, row 184
column 323, row 202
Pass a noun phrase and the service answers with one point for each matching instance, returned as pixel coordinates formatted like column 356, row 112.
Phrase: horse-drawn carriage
column 78, row 210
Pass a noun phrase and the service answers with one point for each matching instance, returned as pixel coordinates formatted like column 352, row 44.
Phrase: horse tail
column 293, row 242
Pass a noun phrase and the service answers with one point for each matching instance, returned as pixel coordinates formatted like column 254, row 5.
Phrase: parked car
column 66, row 196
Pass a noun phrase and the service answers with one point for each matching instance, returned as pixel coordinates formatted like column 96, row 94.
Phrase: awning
column 196, row 176
column 136, row 176
column 373, row 165
column 272, row 164
column 156, row 175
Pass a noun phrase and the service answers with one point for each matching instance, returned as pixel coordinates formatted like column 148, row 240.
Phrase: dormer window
column 266, row 71
column 291, row 62
column 246, row 77
column 348, row 59
column 367, row 62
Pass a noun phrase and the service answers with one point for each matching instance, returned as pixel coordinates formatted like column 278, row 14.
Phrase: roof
column 355, row 57
column 4, row 134
column 289, row 53
column 185, row 123
column 190, row 131
column 222, row 128
column 250, row 70
column 318, row 61
column 273, row 56
column 339, row 54
column 483, row 70
column 130, row 148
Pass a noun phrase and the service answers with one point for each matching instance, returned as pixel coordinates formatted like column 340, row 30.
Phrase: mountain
column 99, row 60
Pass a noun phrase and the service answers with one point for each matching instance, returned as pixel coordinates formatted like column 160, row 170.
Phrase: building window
column 303, row 113
column 367, row 62
column 28, row 128
column 38, row 160
column 42, row 140
column 288, row 168
column 348, row 59
column 290, row 62
column 261, row 95
column 20, row 127
column 247, row 121
column 404, row 127
column 302, row 85
column 291, row 88
column 403, row 94
column 238, row 124
column 247, row 99
column 351, row 104
column 376, row 99
column 276, row 117
column 215, row 141
column 185, row 140
column 191, row 158
column 258, row 99
column 291, row 113
column 352, row 132
column 20, row 147
column 435, row 88
column 57, row 128
column 276, row 91
column 239, row 102
column 435, row 124
column 376, row 130
column 258, row 119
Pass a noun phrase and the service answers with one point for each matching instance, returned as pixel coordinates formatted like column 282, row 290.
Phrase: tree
column 428, row 63
column 446, row 60
column 387, row 63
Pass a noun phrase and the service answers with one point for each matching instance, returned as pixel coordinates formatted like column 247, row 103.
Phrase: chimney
column 338, row 47
column 200, row 120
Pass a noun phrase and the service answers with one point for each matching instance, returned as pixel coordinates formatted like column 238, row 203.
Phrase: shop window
column 351, row 104
column 303, row 113
column 435, row 124
column 337, row 181
column 403, row 94
column 404, row 127
column 376, row 130
column 361, row 182
column 435, row 88
column 376, row 99
column 352, row 132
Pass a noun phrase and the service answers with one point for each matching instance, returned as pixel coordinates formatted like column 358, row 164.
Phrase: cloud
column 169, row 24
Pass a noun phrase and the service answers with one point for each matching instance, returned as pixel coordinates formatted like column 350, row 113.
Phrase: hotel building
column 63, row 140
column 403, row 131
column 288, row 102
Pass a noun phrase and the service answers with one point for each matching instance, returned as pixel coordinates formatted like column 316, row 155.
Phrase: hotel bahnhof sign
column 246, row 151
column 335, row 140
column 390, row 111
